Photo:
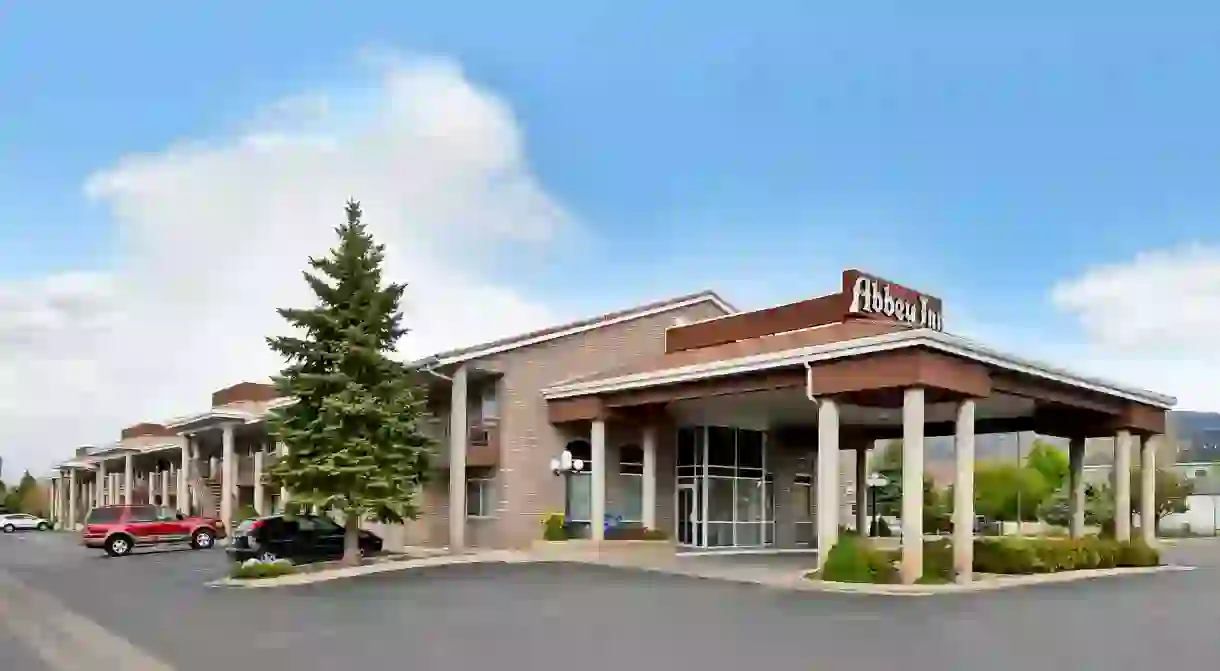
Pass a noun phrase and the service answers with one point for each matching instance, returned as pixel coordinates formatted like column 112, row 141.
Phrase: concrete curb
column 309, row 578
column 989, row 584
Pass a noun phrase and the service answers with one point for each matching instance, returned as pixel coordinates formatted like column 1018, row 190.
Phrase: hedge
column 855, row 560
column 1051, row 555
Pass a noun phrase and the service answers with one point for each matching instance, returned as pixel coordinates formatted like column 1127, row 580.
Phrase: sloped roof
column 570, row 328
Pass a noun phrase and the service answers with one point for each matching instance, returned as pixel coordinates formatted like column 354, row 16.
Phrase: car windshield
column 245, row 527
column 104, row 516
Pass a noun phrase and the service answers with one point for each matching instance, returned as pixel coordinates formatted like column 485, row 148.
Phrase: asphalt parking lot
column 554, row 616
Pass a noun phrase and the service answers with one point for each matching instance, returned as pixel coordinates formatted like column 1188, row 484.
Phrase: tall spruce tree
column 353, row 436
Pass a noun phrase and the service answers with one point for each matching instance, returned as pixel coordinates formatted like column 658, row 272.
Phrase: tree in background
column 1050, row 462
column 1171, row 492
column 889, row 465
column 25, row 497
column 999, row 487
column 353, row 437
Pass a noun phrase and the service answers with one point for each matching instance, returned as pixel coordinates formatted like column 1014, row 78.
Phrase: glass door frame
column 699, row 483
column 693, row 537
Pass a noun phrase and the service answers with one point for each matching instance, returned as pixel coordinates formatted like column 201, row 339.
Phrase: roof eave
column 480, row 351
column 898, row 340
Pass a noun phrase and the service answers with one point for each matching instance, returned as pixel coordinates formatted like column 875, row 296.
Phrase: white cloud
column 1152, row 320
column 213, row 236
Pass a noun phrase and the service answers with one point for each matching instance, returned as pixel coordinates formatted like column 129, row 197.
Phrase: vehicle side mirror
column 180, row 516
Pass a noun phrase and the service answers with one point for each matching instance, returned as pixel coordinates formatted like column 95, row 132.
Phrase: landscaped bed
column 253, row 569
column 855, row 560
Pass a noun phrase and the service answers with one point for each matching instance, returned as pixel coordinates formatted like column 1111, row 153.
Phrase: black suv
column 299, row 539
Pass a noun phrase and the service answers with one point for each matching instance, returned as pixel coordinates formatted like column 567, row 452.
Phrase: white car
column 14, row 521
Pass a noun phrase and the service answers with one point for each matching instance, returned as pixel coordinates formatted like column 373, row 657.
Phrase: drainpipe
column 809, row 392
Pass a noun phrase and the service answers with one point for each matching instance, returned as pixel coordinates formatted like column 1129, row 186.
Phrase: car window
column 143, row 514
column 246, row 526
column 167, row 514
column 104, row 516
column 306, row 524
column 326, row 524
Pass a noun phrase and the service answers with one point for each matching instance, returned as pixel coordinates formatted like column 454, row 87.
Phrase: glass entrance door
column 688, row 518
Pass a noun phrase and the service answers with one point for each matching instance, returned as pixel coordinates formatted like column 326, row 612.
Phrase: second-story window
column 489, row 404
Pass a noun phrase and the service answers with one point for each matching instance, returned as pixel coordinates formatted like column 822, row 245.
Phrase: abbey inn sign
column 873, row 297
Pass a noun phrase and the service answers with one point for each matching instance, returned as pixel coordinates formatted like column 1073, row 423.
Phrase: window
column 104, row 516
column 480, row 497
column 143, row 514
column 323, row 523
column 489, row 405
column 630, row 493
column 631, row 460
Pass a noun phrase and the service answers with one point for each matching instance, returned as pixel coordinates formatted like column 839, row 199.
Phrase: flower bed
column 853, row 559
column 252, row 569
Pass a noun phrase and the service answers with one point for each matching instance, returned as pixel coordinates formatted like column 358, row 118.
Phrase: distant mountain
column 1197, row 435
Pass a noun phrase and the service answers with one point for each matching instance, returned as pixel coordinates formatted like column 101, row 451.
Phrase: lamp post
column 875, row 481
column 565, row 465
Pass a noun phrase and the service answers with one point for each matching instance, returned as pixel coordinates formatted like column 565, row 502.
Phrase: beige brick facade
column 526, row 489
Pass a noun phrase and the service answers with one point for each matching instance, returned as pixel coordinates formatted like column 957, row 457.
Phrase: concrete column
column 459, row 433
column 1076, row 486
column 51, row 499
column 226, row 477
column 72, row 496
column 827, row 512
column 862, row 490
column 99, row 489
column 184, row 466
column 282, row 450
column 1123, row 443
column 1148, row 488
column 164, row 481
column 258, row 481
column 129, row 480
column 649, row 498
column 597, row 440
column 213, row 466
column 911, row 568
column 963, row 494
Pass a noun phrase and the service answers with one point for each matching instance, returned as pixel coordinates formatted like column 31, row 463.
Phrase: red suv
column 120, row 529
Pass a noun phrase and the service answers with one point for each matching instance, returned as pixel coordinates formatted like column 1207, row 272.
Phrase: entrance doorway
column 724, row 483
column 688, row 516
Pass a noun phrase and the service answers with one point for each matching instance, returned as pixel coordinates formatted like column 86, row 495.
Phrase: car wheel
column 42, row 526
column 267, row 556
column 8, row 528
column 203, row 539
column 117, row 546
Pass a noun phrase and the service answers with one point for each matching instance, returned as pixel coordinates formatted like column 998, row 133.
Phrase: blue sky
column 977, row 152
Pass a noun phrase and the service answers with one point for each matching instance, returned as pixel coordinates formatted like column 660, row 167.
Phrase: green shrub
column 253, row 568
column 937, row 561
column 1137, row 553
column 553, row 528
column 854, row 560
column 1005, row 555
column 1052, row 555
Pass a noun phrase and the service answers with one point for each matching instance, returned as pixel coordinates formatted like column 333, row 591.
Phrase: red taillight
column 256, row 525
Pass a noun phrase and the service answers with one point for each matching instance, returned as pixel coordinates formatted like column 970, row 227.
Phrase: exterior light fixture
column 874, row 482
